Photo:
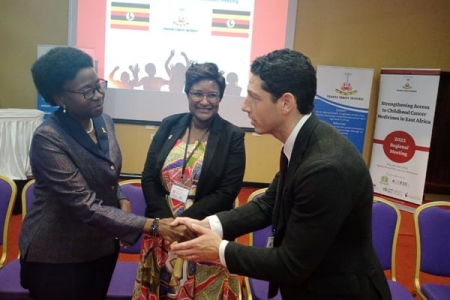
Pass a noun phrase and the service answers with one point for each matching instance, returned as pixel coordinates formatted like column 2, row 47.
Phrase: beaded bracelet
column 154, row 228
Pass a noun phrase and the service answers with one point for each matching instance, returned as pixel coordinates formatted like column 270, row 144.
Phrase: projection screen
column 143, row 48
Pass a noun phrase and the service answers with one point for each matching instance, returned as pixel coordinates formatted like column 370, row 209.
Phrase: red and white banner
column 402, row 137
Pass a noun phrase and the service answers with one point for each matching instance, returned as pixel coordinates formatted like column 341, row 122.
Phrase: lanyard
column 185, row 160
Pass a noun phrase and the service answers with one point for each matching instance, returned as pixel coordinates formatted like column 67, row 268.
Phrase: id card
column 269, row 243
column 179, row 193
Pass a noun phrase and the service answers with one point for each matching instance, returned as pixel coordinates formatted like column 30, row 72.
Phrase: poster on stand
column 342, row 100
column 402, row 137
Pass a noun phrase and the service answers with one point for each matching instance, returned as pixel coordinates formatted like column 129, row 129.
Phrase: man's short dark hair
column 287, row 71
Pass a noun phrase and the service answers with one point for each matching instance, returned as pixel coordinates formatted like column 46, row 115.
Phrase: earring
column 64, row 109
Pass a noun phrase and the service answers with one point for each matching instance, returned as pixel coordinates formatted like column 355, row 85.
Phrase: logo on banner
column 384, row 180
column 400, row 182
column 346, row 88
column 393, row 191
column 399, row 146
column 181, row 18
column 407, row 85
column 180, row 22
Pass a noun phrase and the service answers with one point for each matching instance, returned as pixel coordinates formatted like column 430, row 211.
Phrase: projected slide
column 143, row 49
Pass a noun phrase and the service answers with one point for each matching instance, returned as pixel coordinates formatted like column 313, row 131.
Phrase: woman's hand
column 172, row 234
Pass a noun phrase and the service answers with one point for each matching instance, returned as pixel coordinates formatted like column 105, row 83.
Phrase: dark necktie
column 282, row 176
column 273, row 287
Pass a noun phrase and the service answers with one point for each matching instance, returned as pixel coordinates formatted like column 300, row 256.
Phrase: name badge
column 179, row 193
column 269, row 243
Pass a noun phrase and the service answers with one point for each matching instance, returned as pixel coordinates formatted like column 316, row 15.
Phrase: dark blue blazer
column 75, row 216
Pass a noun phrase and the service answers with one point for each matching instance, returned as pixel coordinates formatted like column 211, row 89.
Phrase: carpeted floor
column 405, row 258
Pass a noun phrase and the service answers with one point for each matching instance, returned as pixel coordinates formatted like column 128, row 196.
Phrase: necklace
column 92, row 127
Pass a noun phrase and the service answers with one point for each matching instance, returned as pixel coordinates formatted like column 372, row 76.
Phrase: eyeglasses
column 89, row 93
column 199, row 96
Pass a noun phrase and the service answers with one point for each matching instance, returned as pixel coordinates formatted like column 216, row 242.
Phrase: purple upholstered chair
column 8, row 192
column 27, row 196
column 257, row 289
column 10, row 287
column 432, row 228
column 122, row 282
column 385, row 226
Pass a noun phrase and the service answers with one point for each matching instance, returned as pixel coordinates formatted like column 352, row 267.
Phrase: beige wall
column 23, row 25
column 355, row 33
column 262, row 151
column 375, row 34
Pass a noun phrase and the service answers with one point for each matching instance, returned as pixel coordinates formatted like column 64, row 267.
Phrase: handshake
column 189, row 238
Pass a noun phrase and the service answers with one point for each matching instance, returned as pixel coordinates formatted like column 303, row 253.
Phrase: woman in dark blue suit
column 195, row 166
column 69, row 240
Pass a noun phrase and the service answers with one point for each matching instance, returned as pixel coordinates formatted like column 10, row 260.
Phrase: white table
column 16, row 131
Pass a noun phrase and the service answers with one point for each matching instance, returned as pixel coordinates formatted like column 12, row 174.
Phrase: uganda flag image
column 135, row 16
column 230, row 23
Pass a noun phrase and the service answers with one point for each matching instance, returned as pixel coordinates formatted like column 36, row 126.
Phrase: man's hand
column 188, row 222
column 203, row 248
column 170, row 234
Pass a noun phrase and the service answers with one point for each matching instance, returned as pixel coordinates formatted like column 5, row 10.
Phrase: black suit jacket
column 222, row 172
column 322, row 227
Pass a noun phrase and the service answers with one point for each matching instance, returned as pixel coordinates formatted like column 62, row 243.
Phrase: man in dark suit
column 320, row 215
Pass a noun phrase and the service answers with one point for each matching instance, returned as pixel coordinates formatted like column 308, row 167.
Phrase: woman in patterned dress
column 194, row 168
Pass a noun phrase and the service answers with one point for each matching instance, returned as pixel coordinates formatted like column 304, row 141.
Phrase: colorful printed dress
column 161, row 274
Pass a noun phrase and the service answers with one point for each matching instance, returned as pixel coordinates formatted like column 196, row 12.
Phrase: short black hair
column 287, row 71
column 209, row 71
column 56, row 67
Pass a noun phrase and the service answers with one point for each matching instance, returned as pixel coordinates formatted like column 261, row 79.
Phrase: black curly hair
column 208, row 71
column 58, row 66
column 287, row 71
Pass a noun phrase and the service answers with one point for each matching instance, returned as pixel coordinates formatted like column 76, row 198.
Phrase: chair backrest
column 385, row 226
column 133, row 190
column 8, row 192
column 258, row 238
column 27, row 196
column 255, row 288
column 432, row 230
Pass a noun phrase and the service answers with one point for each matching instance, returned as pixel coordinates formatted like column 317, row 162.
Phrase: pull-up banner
column 342, row 100
column 401, row 145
